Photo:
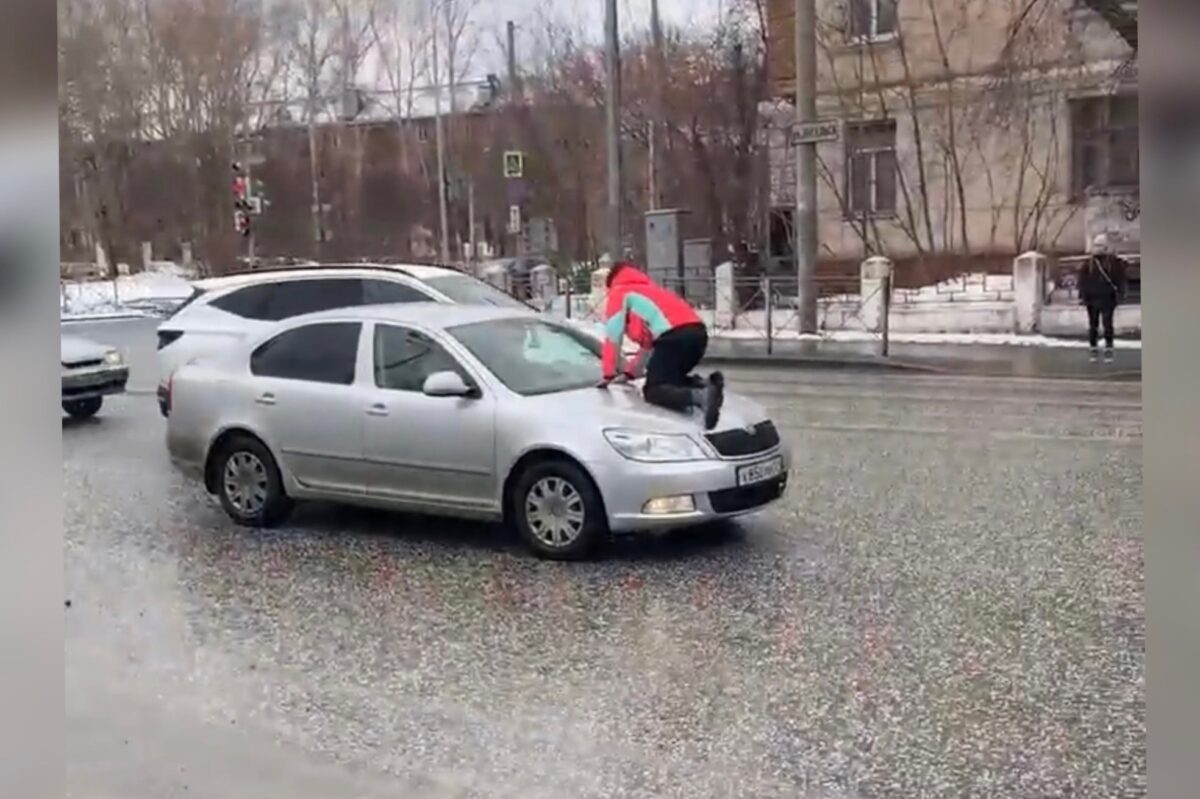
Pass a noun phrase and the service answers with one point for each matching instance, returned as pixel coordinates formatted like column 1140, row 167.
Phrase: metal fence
column 1063, row 279
column 755, row 310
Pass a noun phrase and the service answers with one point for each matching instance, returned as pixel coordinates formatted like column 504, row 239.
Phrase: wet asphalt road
column 947, row 604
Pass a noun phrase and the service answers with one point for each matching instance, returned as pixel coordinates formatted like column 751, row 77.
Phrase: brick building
column 972, row 130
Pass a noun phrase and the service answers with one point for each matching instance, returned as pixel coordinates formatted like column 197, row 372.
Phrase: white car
column 90, row 372
column 227, row 310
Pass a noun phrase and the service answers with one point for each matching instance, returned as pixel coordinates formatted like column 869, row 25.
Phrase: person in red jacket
column 662, row 323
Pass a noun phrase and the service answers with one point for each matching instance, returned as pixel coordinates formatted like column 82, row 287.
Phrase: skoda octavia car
column 460, row 410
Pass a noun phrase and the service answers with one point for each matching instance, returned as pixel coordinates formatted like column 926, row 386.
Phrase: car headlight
column 654, row 447
column 112, row 358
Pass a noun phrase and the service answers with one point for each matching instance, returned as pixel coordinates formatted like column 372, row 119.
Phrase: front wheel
column 557, row 510
column 249, row 484
column 83, row 408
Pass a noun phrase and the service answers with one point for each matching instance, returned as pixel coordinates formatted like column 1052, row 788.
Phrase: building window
column 423, row 130
column 872, row 19
column 871, row 168
column 1104, row 143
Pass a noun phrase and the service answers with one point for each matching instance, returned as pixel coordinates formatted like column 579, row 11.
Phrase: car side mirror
column 446, row 384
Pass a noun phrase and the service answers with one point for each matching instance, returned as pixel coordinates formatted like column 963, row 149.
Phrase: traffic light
column 241, row 201
column 241, row 222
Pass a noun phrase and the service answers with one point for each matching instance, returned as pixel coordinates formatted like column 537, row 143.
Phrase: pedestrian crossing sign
column 514, row 164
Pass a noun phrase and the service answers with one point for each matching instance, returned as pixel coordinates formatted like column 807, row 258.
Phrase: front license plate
column 758, row 472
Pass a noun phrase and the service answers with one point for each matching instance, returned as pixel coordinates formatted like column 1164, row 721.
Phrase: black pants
column 1097, row 314
column 675, row 354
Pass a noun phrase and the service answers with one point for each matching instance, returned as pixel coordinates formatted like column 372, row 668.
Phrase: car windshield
column 532, row 356
column 467, row 290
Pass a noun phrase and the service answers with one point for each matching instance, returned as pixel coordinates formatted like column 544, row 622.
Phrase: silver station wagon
column 459, row 410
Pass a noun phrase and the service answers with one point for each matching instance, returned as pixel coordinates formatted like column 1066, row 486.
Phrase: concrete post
column 1029, row 291
column 147, row 255
column 499, row 277
column 544, row 285
column 875, row 275
column 101, row 261
column 724, row 299
column 599, row 292
column 186, row 257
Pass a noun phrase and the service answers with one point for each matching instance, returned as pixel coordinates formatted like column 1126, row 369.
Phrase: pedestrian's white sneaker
column 1108, row 356
column 1094, row 355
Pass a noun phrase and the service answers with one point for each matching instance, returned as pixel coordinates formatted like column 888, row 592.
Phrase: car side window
column 249, row 302
column 324, row 352
column 383, row 292
column 296, row 297
column 405, row 358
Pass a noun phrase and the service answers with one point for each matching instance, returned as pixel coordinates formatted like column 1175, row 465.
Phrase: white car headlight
column 654, row 447
column 112, row 358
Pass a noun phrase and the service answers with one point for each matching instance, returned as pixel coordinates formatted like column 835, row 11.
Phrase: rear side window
column 383, row 292
column 319, row 353
column 249, row 302
column 274, row 302
column 195, row 295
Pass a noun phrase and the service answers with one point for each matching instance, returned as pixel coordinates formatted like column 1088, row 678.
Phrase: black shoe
column 714, row 398
column 1094, row 355
column 1108, row 355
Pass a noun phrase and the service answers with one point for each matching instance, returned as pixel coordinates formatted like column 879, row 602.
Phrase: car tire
column 83, row 408
column 557, row 510
column 249, row 484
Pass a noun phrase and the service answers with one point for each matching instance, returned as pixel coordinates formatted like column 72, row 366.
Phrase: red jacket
column 639, row 308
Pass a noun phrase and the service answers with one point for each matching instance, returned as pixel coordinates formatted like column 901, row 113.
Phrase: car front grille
column 735, row 500
column 736, row 443
column 83, row 364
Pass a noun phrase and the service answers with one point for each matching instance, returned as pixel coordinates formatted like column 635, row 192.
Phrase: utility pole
column 443, row 216
column 249, row 192
column 613, row 129
column 806, row 165
column 514, row 91
column 471, row 224
column 659, row 112
column 314, row 172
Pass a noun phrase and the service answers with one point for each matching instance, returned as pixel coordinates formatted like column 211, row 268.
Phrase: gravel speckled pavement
column 948, row 604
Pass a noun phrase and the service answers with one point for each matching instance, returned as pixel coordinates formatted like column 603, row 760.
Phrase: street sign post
column 813, row 132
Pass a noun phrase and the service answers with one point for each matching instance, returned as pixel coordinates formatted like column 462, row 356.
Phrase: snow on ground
column 144, row 293
column 165, row 286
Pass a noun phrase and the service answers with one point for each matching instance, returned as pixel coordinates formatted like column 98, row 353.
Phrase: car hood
column 621, row 405
column 75, row 349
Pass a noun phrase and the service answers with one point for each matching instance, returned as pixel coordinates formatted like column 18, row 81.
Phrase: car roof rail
column 374, row 265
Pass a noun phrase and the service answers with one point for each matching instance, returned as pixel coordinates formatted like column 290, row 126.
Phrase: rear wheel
column 83, row 408
column 557, row 510
column 249, row 484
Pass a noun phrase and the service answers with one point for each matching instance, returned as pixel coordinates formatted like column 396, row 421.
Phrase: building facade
column 970, row 130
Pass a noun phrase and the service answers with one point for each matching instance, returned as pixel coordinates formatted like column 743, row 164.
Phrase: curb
column 887, row 365
column 860, row 364
column 122, row 317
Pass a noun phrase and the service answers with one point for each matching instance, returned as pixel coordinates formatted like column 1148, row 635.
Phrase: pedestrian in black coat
column 1102, row 285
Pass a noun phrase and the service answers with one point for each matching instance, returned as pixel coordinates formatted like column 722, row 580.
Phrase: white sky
column 586, row 15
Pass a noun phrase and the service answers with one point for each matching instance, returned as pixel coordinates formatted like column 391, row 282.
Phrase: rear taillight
column 166, row 337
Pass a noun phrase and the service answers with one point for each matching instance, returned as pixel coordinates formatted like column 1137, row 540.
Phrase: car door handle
column 266, row 399
column 378, row 409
